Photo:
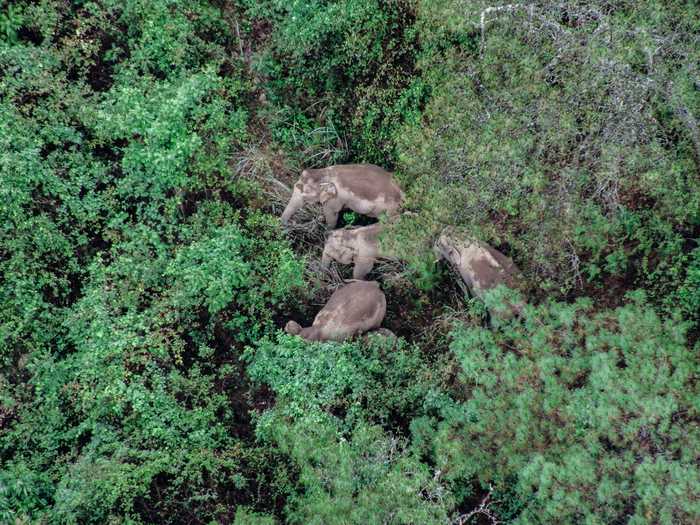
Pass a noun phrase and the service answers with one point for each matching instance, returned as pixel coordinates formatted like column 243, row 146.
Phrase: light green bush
column 587, row 417
column 143, row 279
column 352, row 471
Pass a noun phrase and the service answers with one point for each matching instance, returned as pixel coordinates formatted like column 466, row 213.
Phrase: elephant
column 352, row 310
column 364, row 188
column 481, row 266
column 356, row 245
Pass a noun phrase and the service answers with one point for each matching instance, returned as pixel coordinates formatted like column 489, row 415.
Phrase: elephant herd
column 360, row 306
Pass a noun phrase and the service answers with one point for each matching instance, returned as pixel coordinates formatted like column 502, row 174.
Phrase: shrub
column 132, row 269
column 379, row 380
column 347, row 62
column 352, row 471
column 586, row 417
column 544, row 129
column 128, row 414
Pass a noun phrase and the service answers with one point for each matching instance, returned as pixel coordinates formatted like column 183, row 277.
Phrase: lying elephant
column 353, row 309
column 482, row 267
column 364, row 188
column 357, row 245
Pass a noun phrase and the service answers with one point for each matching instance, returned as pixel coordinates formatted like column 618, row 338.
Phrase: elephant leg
column 331, row 211
column 363, row 265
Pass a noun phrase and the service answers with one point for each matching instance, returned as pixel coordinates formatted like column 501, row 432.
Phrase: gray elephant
column 481, row 267
column 358, row 246
column 364, row 188
column 352, row 310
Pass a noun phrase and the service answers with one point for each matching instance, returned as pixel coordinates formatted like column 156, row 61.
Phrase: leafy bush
column 365, row 477
column 352, row 470
column 687, row 296
column 586, row 417
column 133, row 272
column 127, row 412
column 328, row 69
column 10, row 21
column 381, row 380
column 545, row 133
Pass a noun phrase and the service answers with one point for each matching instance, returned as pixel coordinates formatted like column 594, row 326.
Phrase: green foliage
column 306, row 29
column 10, row 21
column 212, row 269
column 143, row 279
column 349, row 217
column 132, row 273
column 245, row 517
column 366, row 477
column 689, row 292
column 594, row 416
column 307, row 142
column 545, row 134
column 379, row 379
column 128, row 413
column 352, row 470
column 23, row 492
column 328, row 69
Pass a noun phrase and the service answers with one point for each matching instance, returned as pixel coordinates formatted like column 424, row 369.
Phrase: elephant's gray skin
column 352, row 310
column 358, row 246
column 364, row 188
column 481, row 267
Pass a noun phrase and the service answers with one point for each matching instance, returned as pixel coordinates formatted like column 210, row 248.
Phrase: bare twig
column 483, row 509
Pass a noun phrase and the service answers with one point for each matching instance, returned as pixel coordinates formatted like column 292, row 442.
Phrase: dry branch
column 483, row 509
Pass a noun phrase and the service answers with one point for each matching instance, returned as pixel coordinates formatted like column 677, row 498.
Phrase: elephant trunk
column 310, row 333
column 295, row 202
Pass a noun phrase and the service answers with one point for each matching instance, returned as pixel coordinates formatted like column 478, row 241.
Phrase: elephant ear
column 328, row 192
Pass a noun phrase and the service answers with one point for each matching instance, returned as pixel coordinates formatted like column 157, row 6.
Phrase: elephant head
column 292, row 327
column 358, row 246
column 339, row 247
column 445, row 248
column 306, row 189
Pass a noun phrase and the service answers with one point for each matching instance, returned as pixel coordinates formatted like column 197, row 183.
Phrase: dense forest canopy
column 147, row 148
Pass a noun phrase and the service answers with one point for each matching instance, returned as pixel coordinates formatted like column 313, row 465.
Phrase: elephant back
column 483, row 267
column 367, row 181
column 355, row 307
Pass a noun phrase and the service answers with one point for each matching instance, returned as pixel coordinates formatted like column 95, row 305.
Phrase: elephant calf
column 481, row 267
column 364, row 188
column 359, row 246
column 352, row 310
